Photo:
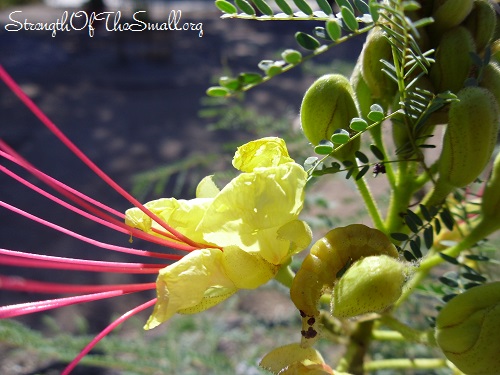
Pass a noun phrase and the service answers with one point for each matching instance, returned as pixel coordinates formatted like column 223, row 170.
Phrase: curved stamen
column 12, row 311
column 20, row 259
column 21, row 284
column 103, row 333
column 84, row 158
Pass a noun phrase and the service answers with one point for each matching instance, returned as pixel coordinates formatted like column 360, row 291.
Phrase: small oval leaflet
column 324, row 148
column 349, row 18
column 340, row 136
column 245, row 6
column 226, row 6
column 333, row 29
column 291, row 56
column 358, row 124
column 217, row 91
column 307, row 41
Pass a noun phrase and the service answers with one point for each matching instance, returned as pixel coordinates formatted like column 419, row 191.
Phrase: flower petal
column 207, row 188
column 193, row 284
column 264, row 152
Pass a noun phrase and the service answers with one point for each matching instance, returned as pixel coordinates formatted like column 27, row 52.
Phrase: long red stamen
column 20, row 259
column 21, row 284
column 88, row 239
column 12, row 311
column 72, row 147
column 107, row 330
column 61, row 188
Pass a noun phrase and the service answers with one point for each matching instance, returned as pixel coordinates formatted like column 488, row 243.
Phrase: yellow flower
column 246, row 230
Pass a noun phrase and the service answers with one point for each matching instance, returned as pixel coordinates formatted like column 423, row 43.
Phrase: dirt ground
column 130, row 101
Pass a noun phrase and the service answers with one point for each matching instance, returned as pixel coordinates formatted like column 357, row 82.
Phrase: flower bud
column 329, row 105
column 372, row 284
column 453, row 62
column 468, row 330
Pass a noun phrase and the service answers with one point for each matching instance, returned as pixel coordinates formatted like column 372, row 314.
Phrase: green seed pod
column 470, row 137
column 491, row 79
column 490, row 204
column 481, row 23
column 363, row 93
column 328, row 105
column 448, row 14
column 377, row 47
column 468, row 330
column 372, row 284
column 453, row 61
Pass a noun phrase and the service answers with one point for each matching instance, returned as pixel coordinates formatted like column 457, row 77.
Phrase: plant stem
column 400, row 198
column 406, row 363
column 371, row 204
column 353, row 360
column 408, row 333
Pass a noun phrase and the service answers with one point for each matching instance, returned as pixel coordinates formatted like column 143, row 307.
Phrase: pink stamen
column 32, row 286
column 88, row 239
column 12, row 311
column 60, row 187
column 107, row 330
column 18, row 258
column 72, row 147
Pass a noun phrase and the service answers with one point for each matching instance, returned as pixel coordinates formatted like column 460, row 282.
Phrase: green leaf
column 408, row 255
column 226, row 6
column 274, row 70
column 473, row 277
column 349, row 18
column 333, row 29
column 362, row 6
column 425, row 212
column 340, row 136
column 362, row 172
column 303, row 6
column 320, row 32
column 449, row 259
column 309, row 162
column 230, row 83
column 414, row 217
column 449, row 282
column 362, row 157
column 283, row 5
column 349, row 173
column 324, row 5
column 447, row 219
column 324, row 148
column 217, row 91
column 245, row 6
column 250, row 78
column 291, row 56
column 400, row 236
column 358, row 124
column 375, row 116
column 415, row 247
column 449, row 297
column 307, row 41
column 477, row 258
column 376, row 151
column 411, row 224
column 437, row 226
column 345, row 3
column 374, row 8
column 263, row 7
column 410, row 6
column 428, row 237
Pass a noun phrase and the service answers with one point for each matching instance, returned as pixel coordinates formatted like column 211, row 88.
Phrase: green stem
column 408, row 333
column 406, row 363
column 482, row 230
column 285, row 276
column 353, row 360
column 400, row 198
column 371, row 204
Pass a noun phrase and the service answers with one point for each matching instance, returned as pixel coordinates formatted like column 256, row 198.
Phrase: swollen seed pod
column 468, row 330
column 377, row 48
column 470, row 137
column 448, row 14
column 491, row 79
column 329, row 256
column 328, row 105
column 481, row 23
column 371, row 284
column 453, row 61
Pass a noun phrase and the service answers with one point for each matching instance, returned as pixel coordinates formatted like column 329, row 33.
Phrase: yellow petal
column 298, row 233
column 207, row 188
column 190, row 285
column 265, row 152
column 247, row 271
column 249, row 211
